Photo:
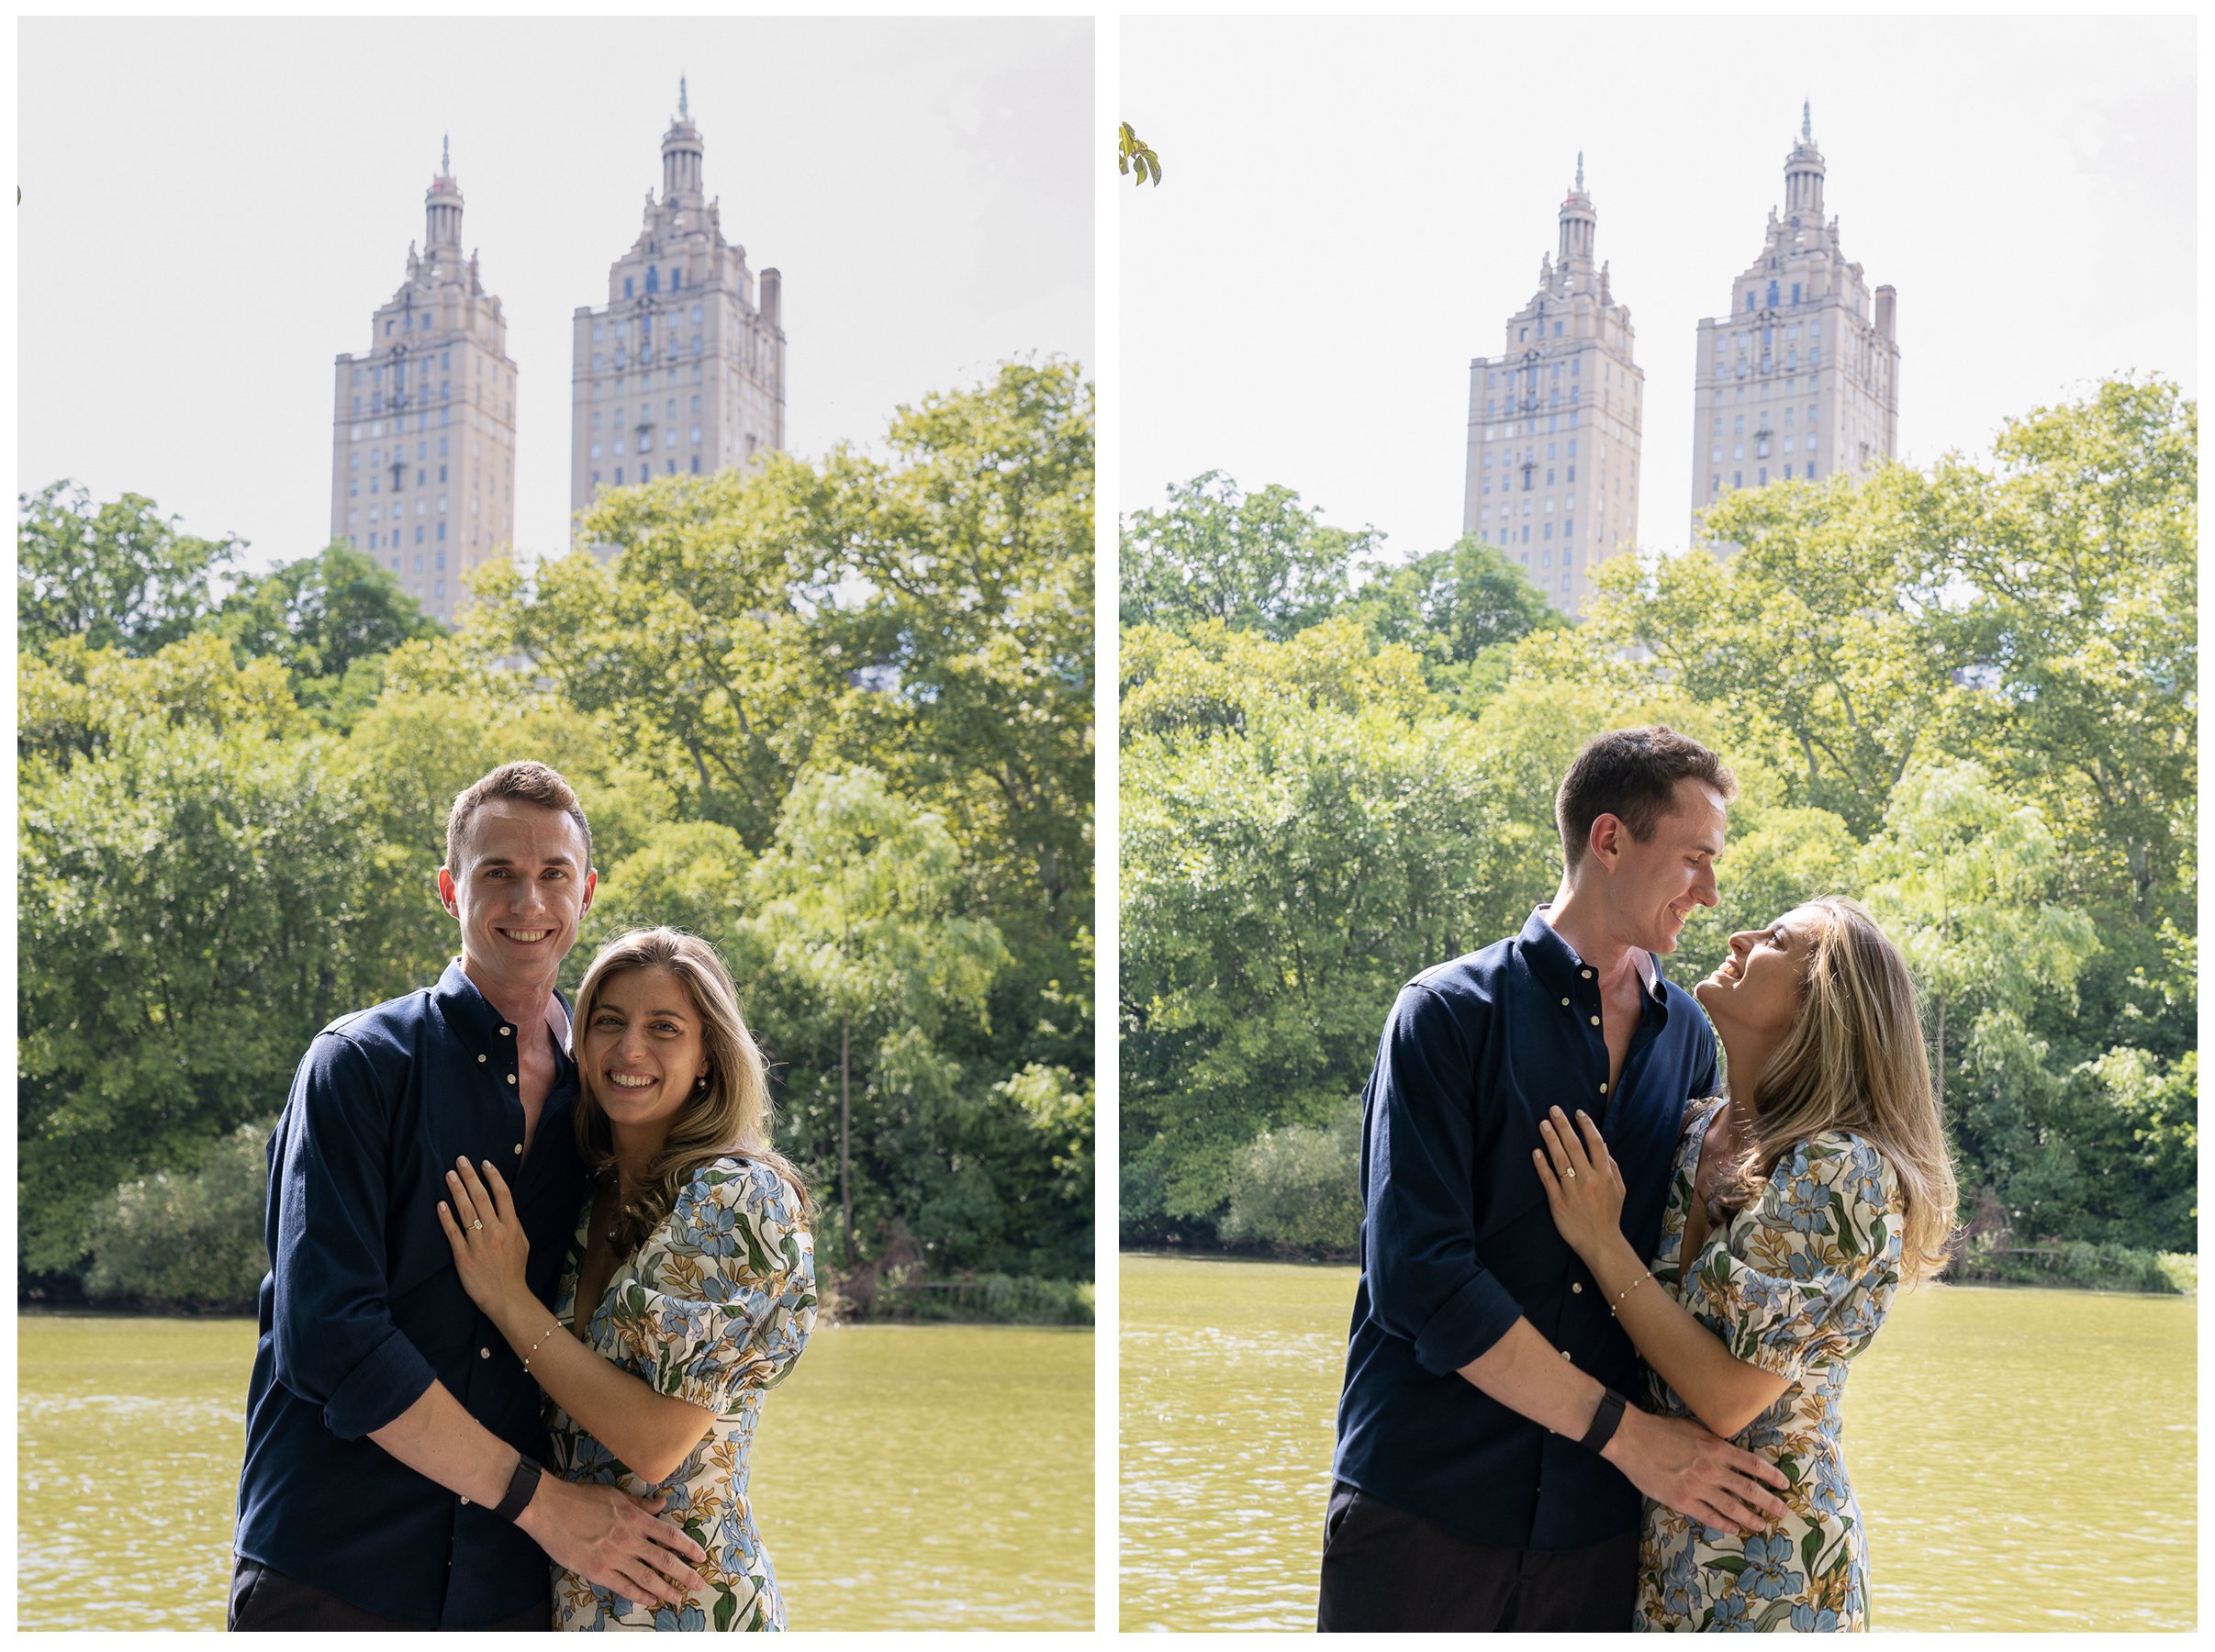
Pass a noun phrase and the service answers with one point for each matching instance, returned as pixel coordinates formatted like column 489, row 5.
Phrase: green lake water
column 2024, row 1459
column 906, row 1477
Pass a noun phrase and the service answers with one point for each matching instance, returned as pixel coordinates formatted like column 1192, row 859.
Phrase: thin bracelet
column 549, row 1331
column 1619, row 1301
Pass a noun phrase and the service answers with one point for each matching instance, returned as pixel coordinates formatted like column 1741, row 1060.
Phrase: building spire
column 1580, row 172
column 445, row 155
column 684, row 100
column 1806, row 120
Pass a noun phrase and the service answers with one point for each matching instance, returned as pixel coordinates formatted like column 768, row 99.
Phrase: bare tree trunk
column 845, row 1137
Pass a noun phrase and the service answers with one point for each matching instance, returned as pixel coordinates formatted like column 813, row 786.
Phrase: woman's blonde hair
column 1855, row 1061
column 727, row 1115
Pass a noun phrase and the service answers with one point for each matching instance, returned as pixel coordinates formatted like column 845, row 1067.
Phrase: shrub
column 188, row 1238
column 1297, row 1189
column 2077, row 1262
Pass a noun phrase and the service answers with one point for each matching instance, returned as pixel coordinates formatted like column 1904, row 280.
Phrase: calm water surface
column 907, row 1477
column 2024, row 1459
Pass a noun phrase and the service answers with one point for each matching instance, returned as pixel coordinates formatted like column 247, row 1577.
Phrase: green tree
column 1813, row 638
column 119, row 575
column 1257, row 561
column 1966, row 879
column 1462, row 610
column 2074, row 563
column 853, row 925
column 329, row 620
column 189, row 906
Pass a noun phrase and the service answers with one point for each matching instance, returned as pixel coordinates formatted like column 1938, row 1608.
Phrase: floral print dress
column 715, row 1309
column 1796, row 1283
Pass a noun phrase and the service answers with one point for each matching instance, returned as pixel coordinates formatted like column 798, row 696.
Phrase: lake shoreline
column 1977, row 1281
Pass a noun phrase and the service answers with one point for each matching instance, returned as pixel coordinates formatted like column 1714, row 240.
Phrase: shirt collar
column 465, row 1007
column 1554, row 956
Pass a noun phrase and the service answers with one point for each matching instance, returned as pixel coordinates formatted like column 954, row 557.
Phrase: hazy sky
column 212, row 209
column 1351, row 215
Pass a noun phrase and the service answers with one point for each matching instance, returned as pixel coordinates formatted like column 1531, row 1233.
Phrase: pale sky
column 212, row 209
column 1355, row 212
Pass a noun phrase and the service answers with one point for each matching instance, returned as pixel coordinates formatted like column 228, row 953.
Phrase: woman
column 1799, row 1200
column 690, row 1285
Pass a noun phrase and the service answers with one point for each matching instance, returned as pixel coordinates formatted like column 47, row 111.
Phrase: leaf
column 726, row 1607
column 1733, row 1564
column 1810, row 1546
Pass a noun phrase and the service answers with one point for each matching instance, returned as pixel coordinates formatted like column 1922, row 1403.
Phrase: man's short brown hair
column 1631, row 774
column 524, row 782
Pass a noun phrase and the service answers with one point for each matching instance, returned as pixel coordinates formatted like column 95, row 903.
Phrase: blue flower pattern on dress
column 1797, row 1284
column 715, row 1309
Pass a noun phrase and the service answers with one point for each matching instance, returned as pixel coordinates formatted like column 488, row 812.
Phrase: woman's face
column 1757, row 989
column 642, row 1052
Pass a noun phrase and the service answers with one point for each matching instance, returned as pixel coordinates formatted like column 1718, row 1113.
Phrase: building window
column 1764, row 482
column 1811, row 470
column 595, row 450
column 654, row 278
column 595, row 479
column 696, row 435
column 626, row 294
column 619, row 475
column 418, row 562
column 1715, row 483
column 1738, row 478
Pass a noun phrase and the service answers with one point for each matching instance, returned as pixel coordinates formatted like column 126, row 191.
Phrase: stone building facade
column 682, row 372
column 422, row 453
column 1554, row 421
column 1801, row 378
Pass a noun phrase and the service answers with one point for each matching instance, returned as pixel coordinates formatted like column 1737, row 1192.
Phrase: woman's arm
column 1724, row 1392
column 651, row 1434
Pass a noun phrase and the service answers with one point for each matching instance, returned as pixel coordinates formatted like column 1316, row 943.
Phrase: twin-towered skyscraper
column 682, row 372
column 1799, row 379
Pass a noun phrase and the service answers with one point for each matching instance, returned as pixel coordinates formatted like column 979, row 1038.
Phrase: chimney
column 1887, row 301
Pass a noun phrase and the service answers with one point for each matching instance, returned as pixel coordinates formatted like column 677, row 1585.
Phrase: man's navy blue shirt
column 363, row 1309
column 1457, row 1242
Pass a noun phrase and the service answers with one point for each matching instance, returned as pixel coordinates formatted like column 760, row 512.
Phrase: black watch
column 1604, row 1422
column 522, row 1485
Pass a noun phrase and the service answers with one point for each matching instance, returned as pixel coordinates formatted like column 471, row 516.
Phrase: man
column 1487, row 1473
column 391, row 1436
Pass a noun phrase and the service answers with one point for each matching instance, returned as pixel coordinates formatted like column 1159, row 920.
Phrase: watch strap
column 1604, row 1422
column 522, row 1486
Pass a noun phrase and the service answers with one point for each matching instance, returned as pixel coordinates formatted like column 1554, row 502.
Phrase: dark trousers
column 260, row 1599
column 1385, row 1568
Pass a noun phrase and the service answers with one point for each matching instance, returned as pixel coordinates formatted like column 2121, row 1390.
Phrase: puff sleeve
column 728, row 1298
column 1804, row 1275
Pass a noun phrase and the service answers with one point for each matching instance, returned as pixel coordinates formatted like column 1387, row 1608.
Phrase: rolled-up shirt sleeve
column 1427, row 1285
column 334, row 1340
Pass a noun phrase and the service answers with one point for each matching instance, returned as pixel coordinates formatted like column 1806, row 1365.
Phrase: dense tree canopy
column 834, row 715
column 1964, row 695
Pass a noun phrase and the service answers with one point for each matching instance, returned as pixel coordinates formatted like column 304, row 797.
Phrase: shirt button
column 511, row 1078
column 1564, row 1003
column 519, row 1147
column 1595, row 1020
column 484, row 1353
column 465, row 1505
column 505, row 1031
column 1576, row 1286
column 1603, row 1087
column 1588, row 975
column 480, row 1059
column 1564, row 1353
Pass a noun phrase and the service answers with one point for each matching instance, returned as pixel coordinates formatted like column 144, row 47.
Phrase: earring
column 700, row 1085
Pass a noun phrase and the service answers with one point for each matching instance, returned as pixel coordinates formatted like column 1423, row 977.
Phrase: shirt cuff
column 391, row 1379
column 1466, row 1326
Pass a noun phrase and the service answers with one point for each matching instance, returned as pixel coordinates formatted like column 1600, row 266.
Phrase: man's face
column 520, row 890
column 1654, row 884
